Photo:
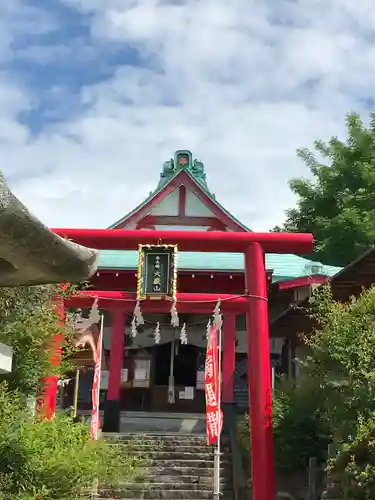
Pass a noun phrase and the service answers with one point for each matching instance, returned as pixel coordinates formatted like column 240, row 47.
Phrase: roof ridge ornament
column 183, row 160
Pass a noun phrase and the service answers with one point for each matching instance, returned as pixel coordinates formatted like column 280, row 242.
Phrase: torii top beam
column 189, row 241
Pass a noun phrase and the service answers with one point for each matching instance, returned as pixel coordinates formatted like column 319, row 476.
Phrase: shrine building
column 158, row 355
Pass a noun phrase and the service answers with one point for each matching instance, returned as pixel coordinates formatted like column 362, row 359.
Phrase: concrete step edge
column 158, row 488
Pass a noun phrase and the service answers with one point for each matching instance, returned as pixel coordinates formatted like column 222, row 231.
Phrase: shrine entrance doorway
column 181, row 362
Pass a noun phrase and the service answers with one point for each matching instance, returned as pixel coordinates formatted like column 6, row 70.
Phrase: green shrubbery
column 52, row 460
column 299, row 430
column 28, row 323
column 45, row 460
column 334, row 401
column 354, row 465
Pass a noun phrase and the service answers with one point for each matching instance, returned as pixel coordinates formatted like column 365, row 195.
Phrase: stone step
column 160, row 444
column 155, row 434
column 174, row 466
column 174, row 455
column 191, row 462
column 158, row 487
column 148, row 437
column 193, row 496
column 154, row 493
column 181, row 479
column 175, row 482
column 174, row 452
column 179, row 470
column 166, row 447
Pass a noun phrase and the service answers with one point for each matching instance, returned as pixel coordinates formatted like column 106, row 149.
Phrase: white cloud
column 241, row 83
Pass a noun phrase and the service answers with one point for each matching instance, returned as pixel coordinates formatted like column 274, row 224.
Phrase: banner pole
column 76, row 388
column 171, row 387
column 218, row 447
column 100, row 346
column 95, row 482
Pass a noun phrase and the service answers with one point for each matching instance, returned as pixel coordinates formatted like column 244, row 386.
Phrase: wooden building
column 346, row 283
column 183, row 200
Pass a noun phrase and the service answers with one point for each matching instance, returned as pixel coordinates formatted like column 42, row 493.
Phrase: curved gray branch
column 31, row 254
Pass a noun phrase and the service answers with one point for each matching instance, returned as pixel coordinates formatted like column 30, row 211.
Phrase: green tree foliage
column 342, row 367
column 53, row 460
column 342, row 360
column 45, row 460
column 299, row 429
column 338, row 205
column 354, row 465
column 334, row 399
column 28, row 323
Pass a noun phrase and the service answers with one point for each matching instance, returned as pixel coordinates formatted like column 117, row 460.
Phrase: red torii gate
column 253, row 303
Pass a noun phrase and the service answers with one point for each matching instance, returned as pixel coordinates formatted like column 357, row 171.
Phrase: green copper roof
column 171, row 168
column 183, row 160
column 284, row 266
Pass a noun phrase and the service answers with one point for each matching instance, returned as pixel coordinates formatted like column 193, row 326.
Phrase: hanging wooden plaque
column 157, row 272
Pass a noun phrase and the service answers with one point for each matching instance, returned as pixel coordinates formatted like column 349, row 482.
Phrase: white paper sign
column 140, row 374
column 189, row 392
column 104, row 376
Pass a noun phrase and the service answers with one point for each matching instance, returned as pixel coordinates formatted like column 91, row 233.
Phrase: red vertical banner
column 95, row 392
column 214, row 415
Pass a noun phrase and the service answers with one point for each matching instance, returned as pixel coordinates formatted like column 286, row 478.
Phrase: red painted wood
column 220, row 282
column 259, row 376
column 194, row 241
column 172, row 220
column 145, row 209
column 193, row 303
column 182, row 178
column 303, row 281
column 141, row 225
column 116, row 354
column 195, row 188
column 182, row 201
column 126, row 280
column 229, row 357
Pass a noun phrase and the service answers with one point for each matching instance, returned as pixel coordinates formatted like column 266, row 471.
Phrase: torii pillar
column 259, row 375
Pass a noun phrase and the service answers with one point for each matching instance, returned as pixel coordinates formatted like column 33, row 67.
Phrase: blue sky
column 95, row 95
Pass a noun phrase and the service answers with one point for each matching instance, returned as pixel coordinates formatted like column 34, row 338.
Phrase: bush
column 341, row 363
column 28, row 323
column 354, row 465
column 53, row 459
column 335, row 397
column 299, row 429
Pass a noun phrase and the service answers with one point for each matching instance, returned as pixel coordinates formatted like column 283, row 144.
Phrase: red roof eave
column 302, row 281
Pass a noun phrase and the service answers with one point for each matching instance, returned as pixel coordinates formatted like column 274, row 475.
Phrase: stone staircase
column 174, row 467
